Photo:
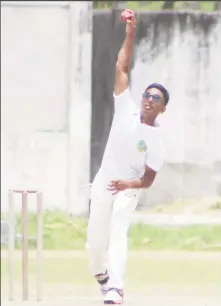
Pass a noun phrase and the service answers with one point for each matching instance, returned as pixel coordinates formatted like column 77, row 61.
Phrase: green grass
column 145, row 270
column 204, row 207
column 152, row 6
column 191, row 238
column 205, row 6
column 62, row 232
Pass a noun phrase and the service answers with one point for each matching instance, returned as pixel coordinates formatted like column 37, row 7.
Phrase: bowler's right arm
column 124, row 59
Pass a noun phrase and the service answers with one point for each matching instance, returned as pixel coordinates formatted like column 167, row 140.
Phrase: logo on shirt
column 141, row 146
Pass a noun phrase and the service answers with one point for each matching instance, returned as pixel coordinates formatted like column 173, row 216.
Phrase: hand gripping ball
column 127, row 15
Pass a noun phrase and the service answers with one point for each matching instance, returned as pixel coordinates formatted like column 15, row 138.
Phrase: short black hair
column 164, row 91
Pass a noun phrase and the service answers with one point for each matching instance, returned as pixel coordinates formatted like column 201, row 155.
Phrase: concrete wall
column 47, row 131
column 46, row 100
column 180, row 50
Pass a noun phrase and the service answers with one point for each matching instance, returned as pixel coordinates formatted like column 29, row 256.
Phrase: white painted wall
column 46, row 100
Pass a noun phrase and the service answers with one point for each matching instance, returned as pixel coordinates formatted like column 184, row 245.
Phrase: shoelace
column 119, row 291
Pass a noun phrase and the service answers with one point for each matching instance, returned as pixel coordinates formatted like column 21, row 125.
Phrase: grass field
column 204, row 6
column 161, row 264
column 62, row 232
column 171, row 273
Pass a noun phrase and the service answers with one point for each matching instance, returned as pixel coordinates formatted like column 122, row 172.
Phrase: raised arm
column 124, row 56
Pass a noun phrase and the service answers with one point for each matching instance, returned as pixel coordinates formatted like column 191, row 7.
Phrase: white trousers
column 109, row 221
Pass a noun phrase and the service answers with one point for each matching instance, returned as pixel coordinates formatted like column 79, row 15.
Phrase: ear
column 163, row 109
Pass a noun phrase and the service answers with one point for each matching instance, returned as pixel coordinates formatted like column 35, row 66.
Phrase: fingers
column 113, row 183
column 113, row 190
column 128, row 16
column 131, row 22
column 113, row 187
column 129, row 11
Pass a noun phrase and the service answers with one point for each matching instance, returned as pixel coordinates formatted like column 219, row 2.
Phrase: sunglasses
column 155, row 97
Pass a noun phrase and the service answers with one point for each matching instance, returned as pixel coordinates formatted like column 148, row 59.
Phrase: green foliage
column 61, row 231
column 192, row 238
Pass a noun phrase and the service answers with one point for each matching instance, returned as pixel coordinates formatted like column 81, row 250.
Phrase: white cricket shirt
column 131, row 145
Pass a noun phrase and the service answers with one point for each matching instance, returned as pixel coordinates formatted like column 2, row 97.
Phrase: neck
column 147, row 120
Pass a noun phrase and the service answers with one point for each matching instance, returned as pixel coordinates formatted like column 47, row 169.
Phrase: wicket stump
column 11, row 243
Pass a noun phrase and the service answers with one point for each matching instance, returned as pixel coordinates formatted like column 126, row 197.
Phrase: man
column 132, row 158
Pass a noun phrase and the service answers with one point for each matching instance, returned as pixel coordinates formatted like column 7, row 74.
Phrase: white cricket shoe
column 114, row 296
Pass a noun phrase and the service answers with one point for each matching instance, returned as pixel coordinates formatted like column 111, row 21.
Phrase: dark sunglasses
column 155, row 97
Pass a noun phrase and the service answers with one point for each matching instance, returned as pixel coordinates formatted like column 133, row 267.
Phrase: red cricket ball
column 127, row 15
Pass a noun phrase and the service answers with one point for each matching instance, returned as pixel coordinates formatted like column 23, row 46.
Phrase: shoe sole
column 113, row 303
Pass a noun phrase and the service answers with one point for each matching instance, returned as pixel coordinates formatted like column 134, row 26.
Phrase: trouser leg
column 123, row 208
column 98, row 231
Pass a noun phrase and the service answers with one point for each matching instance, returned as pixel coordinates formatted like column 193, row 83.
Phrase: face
column 152, row 103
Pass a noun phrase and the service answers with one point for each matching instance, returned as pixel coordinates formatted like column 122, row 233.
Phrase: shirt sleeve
column 124, row 102
column 155, row 158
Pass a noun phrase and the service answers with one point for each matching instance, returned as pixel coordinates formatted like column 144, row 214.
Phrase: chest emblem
column 141, row 146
